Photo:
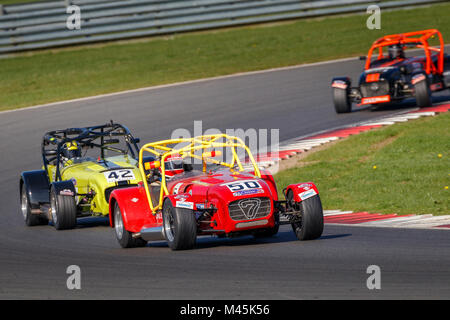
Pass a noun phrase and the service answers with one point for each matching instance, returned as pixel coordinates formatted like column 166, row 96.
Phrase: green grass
column 410, row 177
column 56, row 75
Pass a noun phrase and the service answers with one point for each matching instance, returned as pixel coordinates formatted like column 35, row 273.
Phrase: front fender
column 303, row 191
column 343, row 83
column 133, row 204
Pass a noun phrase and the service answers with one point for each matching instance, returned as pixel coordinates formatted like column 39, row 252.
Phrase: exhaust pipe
column 152, row 234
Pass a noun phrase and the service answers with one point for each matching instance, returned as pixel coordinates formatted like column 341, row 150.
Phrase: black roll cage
column 85, row 137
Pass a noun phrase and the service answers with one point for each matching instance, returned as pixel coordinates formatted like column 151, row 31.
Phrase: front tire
column 64, row 211
column 180, row 227
column 342, row 103
column 124, row 237
column 310, row 226
column 423, row 94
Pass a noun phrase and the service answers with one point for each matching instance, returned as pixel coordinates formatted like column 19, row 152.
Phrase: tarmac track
column 33, row 261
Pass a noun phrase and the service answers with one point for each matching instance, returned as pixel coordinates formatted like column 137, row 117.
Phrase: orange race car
column 394, row 77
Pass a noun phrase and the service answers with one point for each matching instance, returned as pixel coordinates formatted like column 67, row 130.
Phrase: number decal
column 243, row 185
column 119, row 175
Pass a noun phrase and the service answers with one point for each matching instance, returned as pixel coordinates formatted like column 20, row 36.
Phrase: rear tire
column 30, row 219
column 180, row 227
column 64, row 211
column 124, row 237
column 311, row 225
column 342, row 103
column 423, row 94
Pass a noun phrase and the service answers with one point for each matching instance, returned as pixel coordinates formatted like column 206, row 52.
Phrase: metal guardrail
column 43, row 24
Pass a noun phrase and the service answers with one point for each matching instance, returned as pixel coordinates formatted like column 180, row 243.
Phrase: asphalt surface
column 33, row 261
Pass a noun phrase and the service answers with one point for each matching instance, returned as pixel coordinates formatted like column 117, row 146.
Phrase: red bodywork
column 198, row 190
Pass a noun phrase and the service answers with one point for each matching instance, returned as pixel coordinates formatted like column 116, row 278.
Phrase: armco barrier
column 43, row 24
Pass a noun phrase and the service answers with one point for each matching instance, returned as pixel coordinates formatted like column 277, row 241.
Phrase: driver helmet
column 173, row 165
column 71, row 150
column 396, row 51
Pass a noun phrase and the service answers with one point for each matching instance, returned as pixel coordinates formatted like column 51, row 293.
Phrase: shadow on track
column 207, row 242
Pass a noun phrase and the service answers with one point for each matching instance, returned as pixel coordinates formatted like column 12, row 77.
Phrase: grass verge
column 56, row 75
column 396, row 169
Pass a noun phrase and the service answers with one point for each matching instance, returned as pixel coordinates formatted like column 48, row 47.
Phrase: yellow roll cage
column 162, row 149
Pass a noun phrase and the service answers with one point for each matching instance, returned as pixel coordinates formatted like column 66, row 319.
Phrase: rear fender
column 303, row 191
column 133, row 204
column 37, row 187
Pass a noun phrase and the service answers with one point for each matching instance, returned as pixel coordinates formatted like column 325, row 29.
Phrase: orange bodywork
column 420, row 39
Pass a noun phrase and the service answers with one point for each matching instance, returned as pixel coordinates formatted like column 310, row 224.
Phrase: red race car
column 394, row 77
column 177, row 201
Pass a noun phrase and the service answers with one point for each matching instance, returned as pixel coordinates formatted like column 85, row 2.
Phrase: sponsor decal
column 66, row 192
column 135, row 200
column 378, row 99
column 305, row 186
column 339, row 84
column 372, row 77
column 200, row 206
column 247, row 192
column 119, row 175
column 436, row 86
column 307, row 194
column 185, row 205
column 177, row 187
column 181, row 197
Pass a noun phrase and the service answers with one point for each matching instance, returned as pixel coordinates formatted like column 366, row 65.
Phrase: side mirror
column 137, row 140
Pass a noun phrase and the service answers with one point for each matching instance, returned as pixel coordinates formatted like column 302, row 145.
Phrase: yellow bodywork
column 88, row 176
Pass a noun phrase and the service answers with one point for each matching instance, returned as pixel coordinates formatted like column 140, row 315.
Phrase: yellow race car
column 81, row 167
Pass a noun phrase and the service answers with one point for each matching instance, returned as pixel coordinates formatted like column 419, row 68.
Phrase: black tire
column 63, row 211
column 29, row 218
column 423, row 94
column 342, row 103
column 124, row 237
column 311, row 225
column 180, row 227
column 270, row 232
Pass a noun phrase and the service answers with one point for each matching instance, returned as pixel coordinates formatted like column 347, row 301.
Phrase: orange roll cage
column 420, row 39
